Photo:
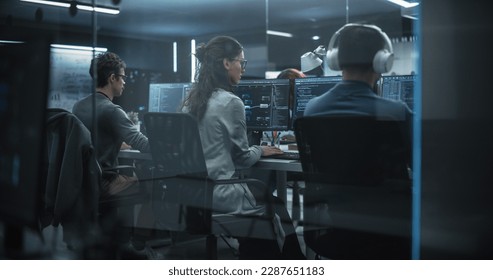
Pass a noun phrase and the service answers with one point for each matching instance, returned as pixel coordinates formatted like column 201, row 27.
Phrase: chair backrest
column 358, row 188
column 72, row 176
column 353, row 149
column 182, row 193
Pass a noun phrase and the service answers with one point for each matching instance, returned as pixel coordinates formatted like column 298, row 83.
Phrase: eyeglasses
column 124, row 78
column 243, row 62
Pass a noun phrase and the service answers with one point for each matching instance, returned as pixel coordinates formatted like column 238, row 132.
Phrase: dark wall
column 457, row 131
column 142, row 54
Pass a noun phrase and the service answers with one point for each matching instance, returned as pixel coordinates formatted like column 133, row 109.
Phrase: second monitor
column 167, row 97
column 266, row 103
column 308, row 88
column 398, row 87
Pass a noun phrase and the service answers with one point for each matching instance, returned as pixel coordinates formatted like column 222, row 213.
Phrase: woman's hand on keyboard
column 270, row 150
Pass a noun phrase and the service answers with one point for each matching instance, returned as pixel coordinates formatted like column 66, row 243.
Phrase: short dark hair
column 290, row 73
column 106, row 64
column 358, row 45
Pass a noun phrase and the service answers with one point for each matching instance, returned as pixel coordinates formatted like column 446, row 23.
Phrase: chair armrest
column 127, row 170
column 119, row 167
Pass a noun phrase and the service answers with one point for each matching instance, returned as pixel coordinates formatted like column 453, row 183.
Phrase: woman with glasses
column 221, row 119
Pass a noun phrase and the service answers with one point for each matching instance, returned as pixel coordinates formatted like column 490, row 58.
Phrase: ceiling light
column 10, row 42
column 51, row 3
column 79, row 48
column 80, row 6
column 404, row 4
column 110, row 11
column 410, row 17
column 175, row 57
column 193, row 60
column 316, row 38
column 278, row 33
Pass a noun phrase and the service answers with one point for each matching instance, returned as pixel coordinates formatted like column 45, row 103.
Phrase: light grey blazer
column 225, row 144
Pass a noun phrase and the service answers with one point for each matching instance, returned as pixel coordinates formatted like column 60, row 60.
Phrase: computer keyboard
column 285, row 155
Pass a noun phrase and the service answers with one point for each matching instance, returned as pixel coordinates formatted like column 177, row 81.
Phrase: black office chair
column 71, row 193
column 71, row 196
column 182, row 192
column 357, row 201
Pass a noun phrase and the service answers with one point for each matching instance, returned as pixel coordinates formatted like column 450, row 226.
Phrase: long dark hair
column 211, row 73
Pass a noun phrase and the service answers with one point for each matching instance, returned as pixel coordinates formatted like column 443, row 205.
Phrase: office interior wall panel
column 457, row 142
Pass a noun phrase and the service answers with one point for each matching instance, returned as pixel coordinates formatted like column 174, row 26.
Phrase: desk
column 141, row 161
column 134, row 154
column 279, row 165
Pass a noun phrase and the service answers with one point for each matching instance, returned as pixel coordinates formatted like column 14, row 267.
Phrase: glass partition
column 156, row 39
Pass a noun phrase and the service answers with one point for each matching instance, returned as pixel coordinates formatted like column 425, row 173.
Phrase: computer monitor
column 24, row 78
column 307, row 88
column 167, row 97
column 135, row 97
column 266, row 103
column 398, row 87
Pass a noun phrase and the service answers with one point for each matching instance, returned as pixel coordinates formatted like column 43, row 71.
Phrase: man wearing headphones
column 362, row 52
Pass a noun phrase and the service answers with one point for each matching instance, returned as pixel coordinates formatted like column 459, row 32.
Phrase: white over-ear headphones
column 382, row 61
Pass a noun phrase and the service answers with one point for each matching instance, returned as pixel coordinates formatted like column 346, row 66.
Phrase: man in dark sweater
column 112, row 125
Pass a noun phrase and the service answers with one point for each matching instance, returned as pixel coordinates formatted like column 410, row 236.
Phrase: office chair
column 357, row 201
column 71, row 196
column 182, row 190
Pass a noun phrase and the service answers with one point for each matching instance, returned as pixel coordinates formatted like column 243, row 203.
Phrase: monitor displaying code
column 398, row 87
column 167, row 97
column 266, row 103
column 307, row 88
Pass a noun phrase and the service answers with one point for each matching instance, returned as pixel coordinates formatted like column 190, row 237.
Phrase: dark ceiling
column 189, row 18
